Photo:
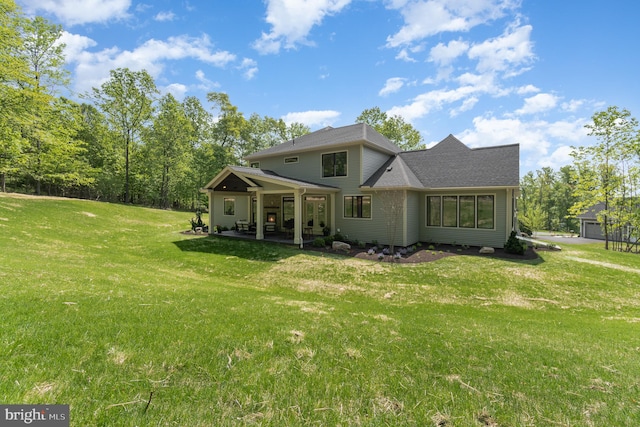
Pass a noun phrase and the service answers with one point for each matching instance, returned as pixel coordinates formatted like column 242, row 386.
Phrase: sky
column 490, row 72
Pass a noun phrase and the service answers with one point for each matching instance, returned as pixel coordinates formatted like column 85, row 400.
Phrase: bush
column 515, row 246
column 328, row 240
column 319, row 242
column 339, row 237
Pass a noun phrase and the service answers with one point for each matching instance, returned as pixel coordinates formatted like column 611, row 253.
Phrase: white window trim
column 293, row 159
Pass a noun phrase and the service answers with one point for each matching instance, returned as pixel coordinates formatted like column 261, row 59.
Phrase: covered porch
column 260, row 204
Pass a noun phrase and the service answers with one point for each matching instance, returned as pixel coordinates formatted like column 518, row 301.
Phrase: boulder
column 487, row 250
column 340, row 246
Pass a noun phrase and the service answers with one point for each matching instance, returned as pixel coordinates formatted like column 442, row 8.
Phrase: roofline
column 425, row 189
column 324, row 147
column 472, row 149
column 249, row 178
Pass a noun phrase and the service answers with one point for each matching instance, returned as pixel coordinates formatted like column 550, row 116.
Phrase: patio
column 276, row 236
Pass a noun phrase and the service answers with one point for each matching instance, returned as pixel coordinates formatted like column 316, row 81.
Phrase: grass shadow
column 246, row 249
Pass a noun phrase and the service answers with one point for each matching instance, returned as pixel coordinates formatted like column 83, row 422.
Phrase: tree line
column 125, row 141
column 605, row 174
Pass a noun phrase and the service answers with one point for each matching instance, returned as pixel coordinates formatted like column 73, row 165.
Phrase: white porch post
column 332, row 198
column 297, row 214
column 259, row 219
column 210, row 194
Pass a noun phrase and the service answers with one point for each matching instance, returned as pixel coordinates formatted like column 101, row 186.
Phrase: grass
column 108, row 307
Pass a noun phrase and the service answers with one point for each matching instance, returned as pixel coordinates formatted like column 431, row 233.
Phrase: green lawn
column 105, row 307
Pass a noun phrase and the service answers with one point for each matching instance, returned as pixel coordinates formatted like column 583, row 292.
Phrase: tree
column 401, row 133
column 42, row 52
column 392, row 205
column 602, row 170
column 13, row 68
column 127, row 101
column 168, row 148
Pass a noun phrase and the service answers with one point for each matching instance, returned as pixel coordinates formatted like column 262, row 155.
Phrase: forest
column 126, row 142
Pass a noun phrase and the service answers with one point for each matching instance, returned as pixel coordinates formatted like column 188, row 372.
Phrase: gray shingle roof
column 329, row 137
column 451, row 164
column 255, row 173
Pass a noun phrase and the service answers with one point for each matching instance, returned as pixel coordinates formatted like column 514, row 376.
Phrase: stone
column 487, row 250
column 340, row 246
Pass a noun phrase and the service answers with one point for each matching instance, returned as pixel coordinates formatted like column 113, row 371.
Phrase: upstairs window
column 334, row 164
column 291, row 159
column 255, row 165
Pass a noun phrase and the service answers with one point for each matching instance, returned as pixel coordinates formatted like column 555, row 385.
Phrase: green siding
column 371, row 161
column 241, row 210
column 413, row 218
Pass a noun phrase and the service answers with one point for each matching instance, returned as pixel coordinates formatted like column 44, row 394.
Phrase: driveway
column 548, row 237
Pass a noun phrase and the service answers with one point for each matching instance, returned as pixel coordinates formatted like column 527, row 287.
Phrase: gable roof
column 331, row 137
column 250, row 176
column 451, row 164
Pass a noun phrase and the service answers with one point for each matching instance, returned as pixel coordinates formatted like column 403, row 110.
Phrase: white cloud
column 547, row 141
column 573, row 105
column 75, row 45
column 250, row 68
column 312, row 118
column 178, row 90
column 508, row 53
column 74, row 12
column 424, row 18
column 392, row 85
column 404, row 55
column 205, row 84
column 165, row 16
column 445, row 54
column 292, row 20
column 525, row 90
column 92, row 68
column 539, row 103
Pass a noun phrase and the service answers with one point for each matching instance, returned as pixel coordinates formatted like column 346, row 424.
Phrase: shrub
column 338, row 237
column 319, row 242
column 514, row 246
column 328, row 240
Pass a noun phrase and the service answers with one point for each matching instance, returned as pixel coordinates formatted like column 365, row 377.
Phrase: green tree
column 600, row 170
column 13, row 69
column 401, row 133
column 127, row 101
column 168, row 149
column 48, row 126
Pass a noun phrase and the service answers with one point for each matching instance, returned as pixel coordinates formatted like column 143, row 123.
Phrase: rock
column 340, row 246
column 487, row 250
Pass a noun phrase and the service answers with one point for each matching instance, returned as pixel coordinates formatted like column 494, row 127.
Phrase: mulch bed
column 424, row 254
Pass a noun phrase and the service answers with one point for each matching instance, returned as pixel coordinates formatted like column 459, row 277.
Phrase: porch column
column 297, row 214
column 259, row 220
column 332, row 220
column 210, row 194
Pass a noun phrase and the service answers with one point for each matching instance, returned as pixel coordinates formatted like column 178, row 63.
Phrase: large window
column 229, row 206
column 461, row 211
column 357, row 206
column 467, row 213
column 334, row 164
column 449, row 211
column 485, row 212
column 434, row 211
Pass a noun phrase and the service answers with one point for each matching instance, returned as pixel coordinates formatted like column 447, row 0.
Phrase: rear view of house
column 354, row 181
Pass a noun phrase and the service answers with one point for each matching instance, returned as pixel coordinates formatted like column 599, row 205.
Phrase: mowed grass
column 110, row 309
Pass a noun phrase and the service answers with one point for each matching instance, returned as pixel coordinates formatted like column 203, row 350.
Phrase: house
column 354, row 181
column 590, row 227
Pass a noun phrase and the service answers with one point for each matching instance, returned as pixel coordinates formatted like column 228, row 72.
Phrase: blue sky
column 490, row 72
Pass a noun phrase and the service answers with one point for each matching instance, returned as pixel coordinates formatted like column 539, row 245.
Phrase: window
column 434, row 205
column 467, row 213
column 255, row 165
column 229, row 206
column 485, row 212
column 449, row 211
column 461, row 211
column 291, row 159
column 334, row 164
column 288, row 209
column 357, row 206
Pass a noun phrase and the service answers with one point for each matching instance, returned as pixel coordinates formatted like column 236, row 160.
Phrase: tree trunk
column 3, row 182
